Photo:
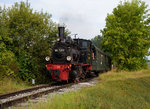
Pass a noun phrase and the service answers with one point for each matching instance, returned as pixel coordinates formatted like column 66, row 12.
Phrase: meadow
column 8, row 85
column 115, row 90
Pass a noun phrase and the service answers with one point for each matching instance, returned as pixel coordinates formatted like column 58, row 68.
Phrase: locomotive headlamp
column 58, row 39
column 69, row 58
column 47, row 58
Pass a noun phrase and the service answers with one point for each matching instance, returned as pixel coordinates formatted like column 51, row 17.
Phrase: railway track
column 7, row 100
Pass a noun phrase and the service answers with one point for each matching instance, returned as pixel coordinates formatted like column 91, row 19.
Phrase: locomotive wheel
column 89, row 74
column 97, row 73
column 83, row 75
column 76, row 80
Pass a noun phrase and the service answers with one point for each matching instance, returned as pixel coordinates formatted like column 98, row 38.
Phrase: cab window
column 84, row 44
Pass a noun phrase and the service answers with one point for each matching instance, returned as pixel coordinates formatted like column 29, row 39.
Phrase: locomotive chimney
column 61, row 32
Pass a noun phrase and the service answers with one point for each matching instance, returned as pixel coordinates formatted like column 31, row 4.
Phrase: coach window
column 93, row 54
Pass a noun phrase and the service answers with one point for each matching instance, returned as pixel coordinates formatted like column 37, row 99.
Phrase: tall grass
column 113, row 75
column 123, row 90
column 9, row 85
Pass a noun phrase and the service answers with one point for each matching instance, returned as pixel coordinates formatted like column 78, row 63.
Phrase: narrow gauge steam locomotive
column 75, row 59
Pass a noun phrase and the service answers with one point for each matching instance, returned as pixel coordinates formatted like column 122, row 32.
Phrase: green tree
column 8, row 63
column 97, row 40
column 31, row 34
column 26, row 37
column 127, row 35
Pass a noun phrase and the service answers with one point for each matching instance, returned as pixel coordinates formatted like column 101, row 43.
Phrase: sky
column 83, row 17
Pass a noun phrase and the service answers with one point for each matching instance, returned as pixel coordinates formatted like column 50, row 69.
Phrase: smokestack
column 61, row 32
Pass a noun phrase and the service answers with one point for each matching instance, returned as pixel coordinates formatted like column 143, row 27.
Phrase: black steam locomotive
column 75, row 59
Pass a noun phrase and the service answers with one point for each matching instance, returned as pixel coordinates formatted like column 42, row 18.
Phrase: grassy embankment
column 9, row 85
column 123, row 90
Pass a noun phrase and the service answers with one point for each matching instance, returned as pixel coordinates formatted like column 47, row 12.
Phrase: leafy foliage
column 26, row 38
column 127, row 35
column 97, row 41
column 8, row 64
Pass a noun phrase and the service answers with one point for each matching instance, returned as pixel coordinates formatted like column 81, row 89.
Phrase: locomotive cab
column 85, row 51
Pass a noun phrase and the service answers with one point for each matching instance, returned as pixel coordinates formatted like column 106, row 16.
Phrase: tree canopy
column 97, row 41
column 26, row 37
column 127, row 35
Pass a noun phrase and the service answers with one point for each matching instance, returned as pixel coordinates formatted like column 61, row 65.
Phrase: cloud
column 84, row 17
column 6, row 5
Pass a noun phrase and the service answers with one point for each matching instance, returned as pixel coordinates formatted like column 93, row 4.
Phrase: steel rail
column 3, row 96
column 34, row 95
